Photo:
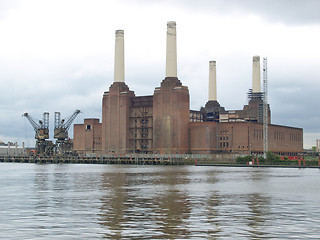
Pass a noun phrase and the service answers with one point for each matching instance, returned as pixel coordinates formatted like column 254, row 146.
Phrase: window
column 88, row 127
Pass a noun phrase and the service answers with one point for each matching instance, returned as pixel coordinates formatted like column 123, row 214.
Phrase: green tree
column 270, row 156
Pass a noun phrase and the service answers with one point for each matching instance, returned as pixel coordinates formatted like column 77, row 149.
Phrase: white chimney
column 119, row 57
column 256, row 79
column 212, row 81
column 171, row 63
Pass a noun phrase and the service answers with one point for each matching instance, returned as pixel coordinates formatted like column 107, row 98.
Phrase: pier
column 136, row 159
column 151, row 159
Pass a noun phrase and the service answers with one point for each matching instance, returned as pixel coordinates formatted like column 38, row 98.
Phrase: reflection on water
column 156, row 202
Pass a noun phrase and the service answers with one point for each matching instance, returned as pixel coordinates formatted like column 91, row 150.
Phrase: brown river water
column 72, row 201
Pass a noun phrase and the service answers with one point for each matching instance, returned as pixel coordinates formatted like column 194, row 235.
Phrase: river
column 73, row 201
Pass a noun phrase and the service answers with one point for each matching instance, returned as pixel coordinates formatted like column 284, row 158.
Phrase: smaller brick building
column 87, row 136
column 243, row 137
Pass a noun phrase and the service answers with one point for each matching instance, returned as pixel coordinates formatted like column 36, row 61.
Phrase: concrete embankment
column 139, row 159
column 223, row 160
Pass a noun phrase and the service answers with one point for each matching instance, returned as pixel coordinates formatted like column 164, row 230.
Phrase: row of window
column 224, row 144
column 279, row 135
column 295, row 137
column 224, row 138
column 141, row 121
column 196, row 117
column 258, row 133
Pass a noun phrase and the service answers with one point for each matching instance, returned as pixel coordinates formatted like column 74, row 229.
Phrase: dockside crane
column 41, row 133
column 61, row 128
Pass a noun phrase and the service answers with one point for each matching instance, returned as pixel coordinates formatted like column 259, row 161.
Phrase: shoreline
column 255, row 166
column 125, row 160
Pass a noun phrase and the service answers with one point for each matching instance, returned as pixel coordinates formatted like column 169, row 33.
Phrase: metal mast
column 57, row 120
column 265, row 107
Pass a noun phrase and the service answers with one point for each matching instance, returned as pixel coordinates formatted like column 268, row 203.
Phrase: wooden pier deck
column 143, row 159
column 133, row 160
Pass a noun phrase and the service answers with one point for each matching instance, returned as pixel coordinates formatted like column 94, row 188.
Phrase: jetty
column 133, row 159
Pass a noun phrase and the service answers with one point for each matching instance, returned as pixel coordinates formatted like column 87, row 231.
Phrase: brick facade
column 163, row 123
column 116, row 118
column 87, row 136
column 171, row 116
column 243, row 137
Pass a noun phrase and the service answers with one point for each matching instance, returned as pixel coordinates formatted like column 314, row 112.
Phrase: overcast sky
column 57, row 55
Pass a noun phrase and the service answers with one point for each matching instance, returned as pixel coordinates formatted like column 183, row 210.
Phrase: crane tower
column 41, row 128
column 61, row 127
column 265, row 107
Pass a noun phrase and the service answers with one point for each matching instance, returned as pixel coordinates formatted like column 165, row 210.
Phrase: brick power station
column 163, row 123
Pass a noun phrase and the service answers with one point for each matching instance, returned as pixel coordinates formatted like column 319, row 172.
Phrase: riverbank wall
column 228, row 160
column 140, row 159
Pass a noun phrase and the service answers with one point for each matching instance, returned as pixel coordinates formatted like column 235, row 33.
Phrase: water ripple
column 152, row 202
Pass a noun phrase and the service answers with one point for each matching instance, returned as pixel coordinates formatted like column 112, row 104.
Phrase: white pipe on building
column 119, row 57
column 212, row 81
column 171, row 61
column 256, row 78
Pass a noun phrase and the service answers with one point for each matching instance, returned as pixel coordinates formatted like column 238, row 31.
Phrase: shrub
column 243, row 160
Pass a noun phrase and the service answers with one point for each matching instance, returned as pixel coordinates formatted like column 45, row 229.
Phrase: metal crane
column 41, row 132
column 61, row 128
column 41, row 129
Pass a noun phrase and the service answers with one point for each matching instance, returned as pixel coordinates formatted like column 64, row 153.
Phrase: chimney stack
column 171, row 63
column 256, row 79
column 119, row 57
column 212, row 81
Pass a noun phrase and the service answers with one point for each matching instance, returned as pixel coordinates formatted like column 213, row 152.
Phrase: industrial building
column 11, row 149
column 163, row 123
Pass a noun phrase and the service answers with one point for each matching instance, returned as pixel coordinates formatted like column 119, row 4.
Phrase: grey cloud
column 296, row 107
column 297, row 12
column 56, row 92
column 286, row 11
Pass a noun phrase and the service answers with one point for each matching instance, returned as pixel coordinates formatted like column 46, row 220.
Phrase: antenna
column 265, row 107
